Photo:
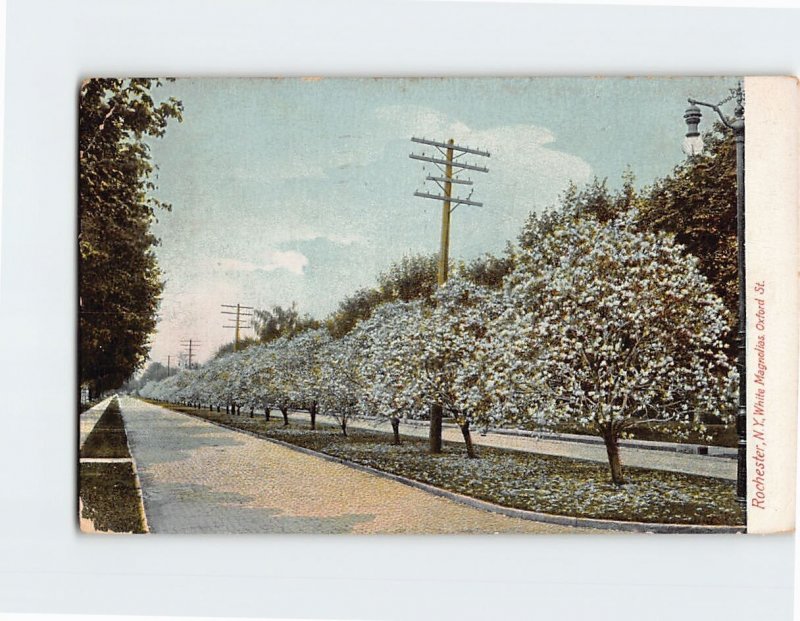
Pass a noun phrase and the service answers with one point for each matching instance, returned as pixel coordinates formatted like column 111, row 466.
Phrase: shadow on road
column 196, row 509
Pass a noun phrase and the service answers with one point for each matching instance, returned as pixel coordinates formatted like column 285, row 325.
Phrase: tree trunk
column 266, row 412
column 435, row 434
column 468, row 440
column 313, row 411
column 343, row 425
column 210, row 408
column 396, row 429
column 251, row 411
column 228, row 408
column 612, row 449
column 285, row 412
column 238, row 410
column 217, row 408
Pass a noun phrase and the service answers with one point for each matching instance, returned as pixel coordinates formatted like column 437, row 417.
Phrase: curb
column 534, row 516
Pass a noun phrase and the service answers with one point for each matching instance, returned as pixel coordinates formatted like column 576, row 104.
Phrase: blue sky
column 301, row 190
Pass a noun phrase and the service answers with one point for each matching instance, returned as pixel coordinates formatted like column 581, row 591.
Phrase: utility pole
column 169, row 358
column 240, row 313
column 446, row 159
column 189, row 344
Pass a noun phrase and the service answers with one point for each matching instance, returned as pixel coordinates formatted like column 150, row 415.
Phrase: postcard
column 437, row 305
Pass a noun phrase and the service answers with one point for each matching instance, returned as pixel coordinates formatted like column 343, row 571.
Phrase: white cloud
column 289, row 260
column 526, row 171
column 524, row 167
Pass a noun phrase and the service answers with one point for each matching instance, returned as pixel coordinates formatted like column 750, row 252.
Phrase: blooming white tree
column 389, row 345
column 456, row 353
column 264, row 379
column 243, row 377
column 170, row 388
column 201, row 389
column 614, row 328
column 301, row 368
column 341, row 383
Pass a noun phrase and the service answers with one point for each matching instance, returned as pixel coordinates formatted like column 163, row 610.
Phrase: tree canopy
column 276, row 322
column 697, row 203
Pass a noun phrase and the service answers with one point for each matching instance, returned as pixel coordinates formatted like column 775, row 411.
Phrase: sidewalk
column 635, row 456
column 89, row 418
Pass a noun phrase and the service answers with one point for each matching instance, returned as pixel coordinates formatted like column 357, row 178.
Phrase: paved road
column 658, row 460
column 200, row 478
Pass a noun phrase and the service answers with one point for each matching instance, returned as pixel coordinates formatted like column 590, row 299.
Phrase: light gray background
column 45, row 566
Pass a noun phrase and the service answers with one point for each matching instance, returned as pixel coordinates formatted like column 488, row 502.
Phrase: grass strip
column 544, row 483
column 110, row 498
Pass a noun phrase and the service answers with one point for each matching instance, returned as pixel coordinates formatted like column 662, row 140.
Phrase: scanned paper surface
column 772, row 225
column 437, row 306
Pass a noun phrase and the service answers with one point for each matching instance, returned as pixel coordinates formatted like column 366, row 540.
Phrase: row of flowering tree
column 597, row 325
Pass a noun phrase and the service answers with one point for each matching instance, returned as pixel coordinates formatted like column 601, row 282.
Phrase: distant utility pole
column 188, row 345
column 169, row 359
column 240, row 313
column 446, row 159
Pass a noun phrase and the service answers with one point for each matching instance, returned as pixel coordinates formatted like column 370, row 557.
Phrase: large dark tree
column 697, row 203
column 119, row 279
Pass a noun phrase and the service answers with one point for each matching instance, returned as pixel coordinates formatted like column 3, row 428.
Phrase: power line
column 449, row 169
column 190, row 345
column 240, row 313
column 449, row 145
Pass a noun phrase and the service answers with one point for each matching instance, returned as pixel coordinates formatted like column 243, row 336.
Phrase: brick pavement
column 704, row 465
column 197, row 477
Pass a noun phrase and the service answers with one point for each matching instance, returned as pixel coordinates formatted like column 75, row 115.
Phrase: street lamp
column 693, row 145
